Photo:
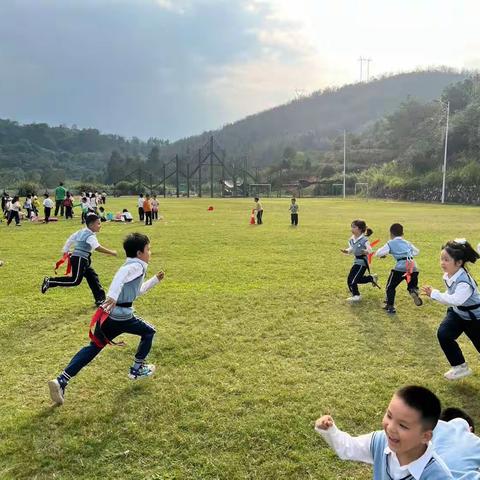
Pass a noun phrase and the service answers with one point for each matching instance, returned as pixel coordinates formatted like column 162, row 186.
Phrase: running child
column 359, row 246
column 463, row 298
column 403, row 449
column 127, row 284
column 84, row 242
column 405, row 267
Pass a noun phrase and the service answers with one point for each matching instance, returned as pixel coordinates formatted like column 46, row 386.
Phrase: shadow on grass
column 65, row 442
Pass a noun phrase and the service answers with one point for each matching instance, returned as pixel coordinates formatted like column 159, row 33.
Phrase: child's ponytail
column 460, row 250
column 362, row 225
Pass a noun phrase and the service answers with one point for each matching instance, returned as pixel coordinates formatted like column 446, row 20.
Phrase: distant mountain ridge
column 44, row 154
column 309, row 122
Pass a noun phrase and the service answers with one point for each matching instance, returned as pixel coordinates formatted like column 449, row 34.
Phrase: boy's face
column 145, row 255
column 405, row 431
column 95, row 226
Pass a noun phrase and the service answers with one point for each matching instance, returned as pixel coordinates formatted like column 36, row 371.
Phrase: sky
column 174, row 68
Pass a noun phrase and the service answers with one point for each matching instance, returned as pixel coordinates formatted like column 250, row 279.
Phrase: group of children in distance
column 115, row 314
column 12, row 209
column 257, row 212
column 147, row 208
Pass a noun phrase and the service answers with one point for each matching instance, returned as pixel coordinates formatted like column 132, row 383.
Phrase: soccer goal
column 361, row 189
column 258, row 189
column 337, row 189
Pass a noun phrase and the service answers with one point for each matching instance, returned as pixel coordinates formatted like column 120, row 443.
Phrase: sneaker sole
column 452, row 379
column 132, row 377
column 55, row 393
column 416, row 299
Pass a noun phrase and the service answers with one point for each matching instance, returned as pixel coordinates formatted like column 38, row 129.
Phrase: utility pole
column 445, row 154
column 368, row 60
column 361, row 59
column 344, row 160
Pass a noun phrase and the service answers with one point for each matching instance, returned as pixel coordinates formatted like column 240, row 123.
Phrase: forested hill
column 46, row 155
column 310, row 122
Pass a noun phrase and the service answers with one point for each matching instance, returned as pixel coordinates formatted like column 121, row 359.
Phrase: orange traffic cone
column 252, row 217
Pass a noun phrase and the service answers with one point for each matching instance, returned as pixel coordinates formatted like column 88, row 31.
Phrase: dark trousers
column 47, row 211
column 450, row 329
column 29, row 213
column 155, row 214
column 13, row 214
column 141, row 213
column 58, row 205
column 112, row 329
column 104, row 200
column 294, row 217
column 396, row 277
column 68, row 212
column 357, row 276
column 81, row 267
column 148, row 218
column 259, row 217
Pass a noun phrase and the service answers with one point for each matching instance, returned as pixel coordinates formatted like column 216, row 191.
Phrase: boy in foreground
column 116, row 316
column 403, row 449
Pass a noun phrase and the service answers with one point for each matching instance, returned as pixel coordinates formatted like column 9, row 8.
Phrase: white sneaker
column 457, row 372
column 354, row 298
column 57, row 392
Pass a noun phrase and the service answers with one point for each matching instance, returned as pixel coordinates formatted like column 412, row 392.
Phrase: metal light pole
column 444, row 169
column 344, row 159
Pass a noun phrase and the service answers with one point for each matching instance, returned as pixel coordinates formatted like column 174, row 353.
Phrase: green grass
column 254, row 342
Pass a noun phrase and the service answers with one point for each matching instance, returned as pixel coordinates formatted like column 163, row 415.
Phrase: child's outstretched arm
column 106, row 251
column 382, row 252
column 459, row 297
column 157, row 278
column 344, row 445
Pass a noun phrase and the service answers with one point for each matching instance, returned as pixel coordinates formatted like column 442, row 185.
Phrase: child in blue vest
column 359, row 246
column 405, row 267
column 84, row 242
column 457, row 445
column 127, row 284
column 403, row 449
column 463, row 298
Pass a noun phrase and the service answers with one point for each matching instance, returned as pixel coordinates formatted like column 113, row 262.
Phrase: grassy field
column 254, row 342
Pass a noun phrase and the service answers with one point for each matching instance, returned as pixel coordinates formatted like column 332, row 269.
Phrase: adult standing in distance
column 60, row 194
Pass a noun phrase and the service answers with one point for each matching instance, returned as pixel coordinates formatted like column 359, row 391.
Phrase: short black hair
column 396, row 229
column 91, row 218
column 134, row 243
column 424, row 401
column 453, row 412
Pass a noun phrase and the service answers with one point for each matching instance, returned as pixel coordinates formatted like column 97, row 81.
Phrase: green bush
column 28, row 188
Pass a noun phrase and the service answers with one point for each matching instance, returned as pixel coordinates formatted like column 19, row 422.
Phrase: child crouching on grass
column 403, row 449
column 463, row 298
column 118, row 317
